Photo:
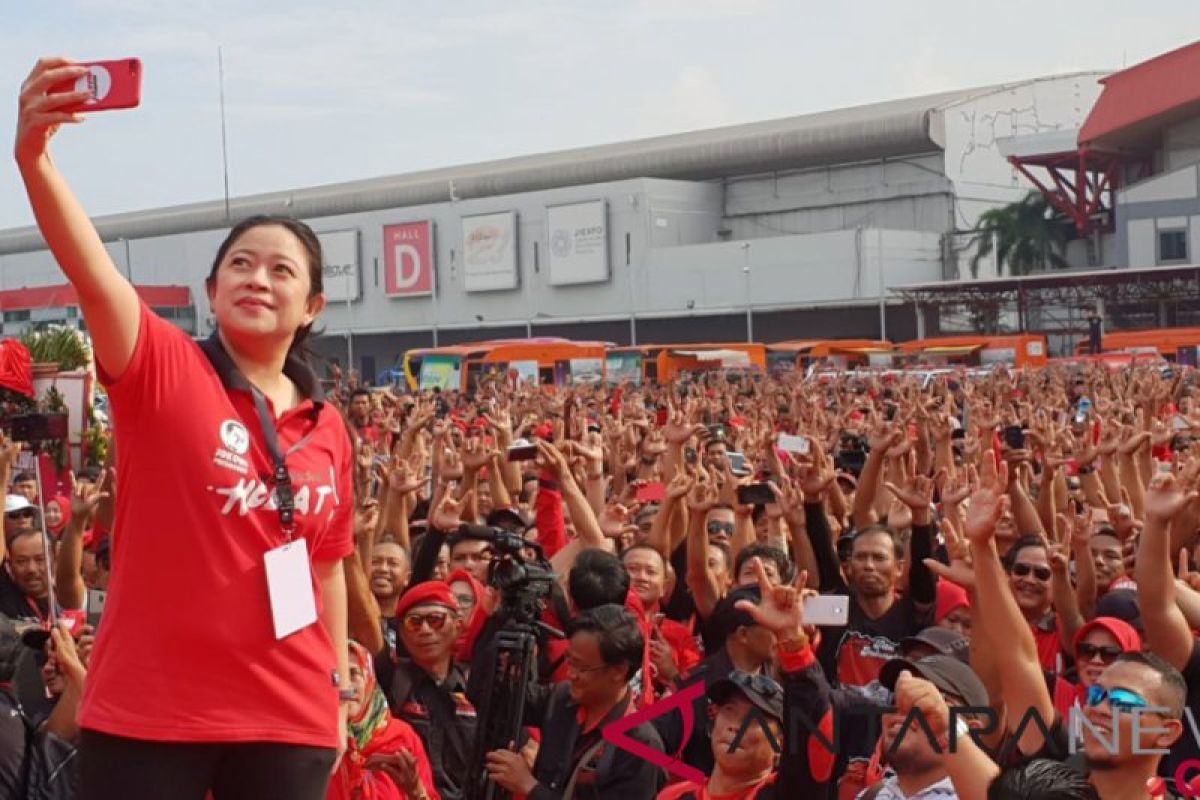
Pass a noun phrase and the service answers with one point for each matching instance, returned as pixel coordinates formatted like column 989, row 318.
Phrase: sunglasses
column 1108, row 652
column 715, row 528
column 436, row 620
column 1118, row 699
column 1039, row 572
column 25, row 513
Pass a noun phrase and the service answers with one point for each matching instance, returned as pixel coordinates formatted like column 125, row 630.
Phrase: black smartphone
column 755, row 494
column 522, row 451
column 1014, row 437
column 690, row 455
column 38, row 427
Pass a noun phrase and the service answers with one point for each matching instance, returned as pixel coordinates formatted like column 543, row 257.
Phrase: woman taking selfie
column 220, row 659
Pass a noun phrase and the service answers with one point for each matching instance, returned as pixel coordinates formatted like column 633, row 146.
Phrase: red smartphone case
column 113, row 84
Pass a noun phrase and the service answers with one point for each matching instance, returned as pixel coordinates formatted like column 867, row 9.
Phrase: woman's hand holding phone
column 40, row 111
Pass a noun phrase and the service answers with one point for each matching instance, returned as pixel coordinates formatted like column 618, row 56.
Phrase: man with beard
column 878, row 619
column 918, row 770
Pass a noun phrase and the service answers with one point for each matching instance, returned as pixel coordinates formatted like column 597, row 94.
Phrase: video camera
column 852, row 453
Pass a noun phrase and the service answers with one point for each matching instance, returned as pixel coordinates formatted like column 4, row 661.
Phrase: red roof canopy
column 65, row 295
column 1139, row 100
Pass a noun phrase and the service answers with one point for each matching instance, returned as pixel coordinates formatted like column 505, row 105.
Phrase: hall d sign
column 340, row 272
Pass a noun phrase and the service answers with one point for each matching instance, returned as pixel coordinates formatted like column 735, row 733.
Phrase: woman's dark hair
column 312, row 248
column 1042, row 779
column 617, row 634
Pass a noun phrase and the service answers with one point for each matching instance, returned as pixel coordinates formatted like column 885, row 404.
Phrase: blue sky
column 320, row 92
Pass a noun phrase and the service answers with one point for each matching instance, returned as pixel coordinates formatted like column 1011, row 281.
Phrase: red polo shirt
column 186, row 649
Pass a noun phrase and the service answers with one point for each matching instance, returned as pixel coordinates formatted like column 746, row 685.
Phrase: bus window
column 651, row 369
column 441, row 372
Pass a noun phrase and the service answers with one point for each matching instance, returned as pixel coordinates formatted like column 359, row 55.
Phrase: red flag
column 16, row 367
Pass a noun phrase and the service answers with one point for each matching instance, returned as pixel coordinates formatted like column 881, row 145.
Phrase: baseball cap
column 943, row 640
column 947, row 673
column 765, row 694
column 1121, row 604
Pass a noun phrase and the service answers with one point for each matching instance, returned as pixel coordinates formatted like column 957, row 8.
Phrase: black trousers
column 115, row 768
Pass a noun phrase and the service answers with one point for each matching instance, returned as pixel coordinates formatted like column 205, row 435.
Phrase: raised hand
column 780, row 610
column 447, row 517
column 85, row 498
column 960, row 569
column 917, row 494
column 1165, row 499
column 987, row 505
column 39, row 112
column 919, row 694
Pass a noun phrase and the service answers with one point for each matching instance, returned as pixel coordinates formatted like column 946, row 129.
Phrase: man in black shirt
column 879, row 620
column 428, row 690
column 574, row 760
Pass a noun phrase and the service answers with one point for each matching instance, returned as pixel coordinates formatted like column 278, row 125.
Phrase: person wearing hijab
column 58, row 514
column 385, row 758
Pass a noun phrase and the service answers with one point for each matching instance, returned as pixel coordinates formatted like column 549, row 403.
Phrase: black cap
column 727, row 617
column 1122, row 604
column 943, row 640
column 947, row 673
column 510, row 518
column 764, row 693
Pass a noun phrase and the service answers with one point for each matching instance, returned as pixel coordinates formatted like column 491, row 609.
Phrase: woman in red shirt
column 220, row 660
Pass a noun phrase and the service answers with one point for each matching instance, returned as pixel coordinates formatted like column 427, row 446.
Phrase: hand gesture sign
column 960, row 571
column 780, row 610
column 85, row 497
column 1165, row 499
column 987, row 505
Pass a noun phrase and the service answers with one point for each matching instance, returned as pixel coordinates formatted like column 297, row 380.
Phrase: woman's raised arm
column 108, row 301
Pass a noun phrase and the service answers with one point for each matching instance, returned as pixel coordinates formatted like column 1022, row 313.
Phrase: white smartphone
column 794, row 444
column 827, row 609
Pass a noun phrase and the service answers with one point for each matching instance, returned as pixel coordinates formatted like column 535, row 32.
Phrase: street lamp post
column 746, row 273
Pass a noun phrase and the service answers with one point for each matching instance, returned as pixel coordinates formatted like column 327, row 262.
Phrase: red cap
column 949, row 597
column 429, row 593
column 1125, row 634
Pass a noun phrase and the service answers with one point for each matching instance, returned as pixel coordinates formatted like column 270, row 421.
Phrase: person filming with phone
column 222, row 661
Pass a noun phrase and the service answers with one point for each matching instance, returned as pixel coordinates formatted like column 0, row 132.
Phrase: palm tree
column 1029, row 235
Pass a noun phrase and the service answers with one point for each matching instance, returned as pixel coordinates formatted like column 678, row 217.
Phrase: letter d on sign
column 408, row 259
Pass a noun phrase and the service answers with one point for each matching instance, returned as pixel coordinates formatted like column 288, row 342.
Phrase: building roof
column 860, row 133
column 65, row 295
column 1138, row 101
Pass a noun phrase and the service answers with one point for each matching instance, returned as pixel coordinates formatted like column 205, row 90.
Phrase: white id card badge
column 289, row 582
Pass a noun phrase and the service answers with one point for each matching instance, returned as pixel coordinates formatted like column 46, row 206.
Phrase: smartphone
column 112, row 85
column 690, row 455
column 755, row 494
column 522, row 451
column 827, row 609
column 890, row 413
column 1014, row 437
column 38, row 427
column 95, row 606
column 737, row 464
column 794, row 444
column 652, row 492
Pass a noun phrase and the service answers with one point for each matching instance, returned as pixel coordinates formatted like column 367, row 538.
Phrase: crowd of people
column 1032, row 567
column 797, row 585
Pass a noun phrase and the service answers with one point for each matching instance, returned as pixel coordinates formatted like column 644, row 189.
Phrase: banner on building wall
column 341, row 275
column 490, row 252
column 578, row 243
column 408, row 266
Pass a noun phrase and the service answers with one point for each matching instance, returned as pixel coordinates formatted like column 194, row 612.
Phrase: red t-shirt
column 187, row 650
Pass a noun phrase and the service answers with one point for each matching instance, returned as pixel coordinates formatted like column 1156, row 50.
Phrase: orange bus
column 546, row 361
column 842, row 354
column 663, row 363
column 1019, row 350
column 1174, row 344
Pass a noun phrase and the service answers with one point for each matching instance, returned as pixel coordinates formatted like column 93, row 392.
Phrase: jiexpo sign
column 408, row 259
